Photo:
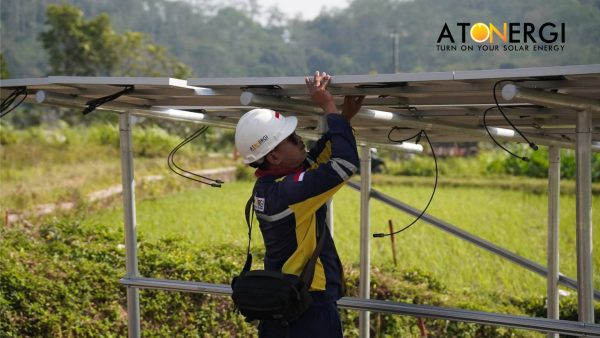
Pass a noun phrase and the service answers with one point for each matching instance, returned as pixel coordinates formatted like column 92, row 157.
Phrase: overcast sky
column 308, row 9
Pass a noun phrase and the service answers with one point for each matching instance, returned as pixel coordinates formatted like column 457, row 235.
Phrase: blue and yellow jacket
column 291, row 209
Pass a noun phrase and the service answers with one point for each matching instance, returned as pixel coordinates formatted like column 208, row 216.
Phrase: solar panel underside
column 449, row 105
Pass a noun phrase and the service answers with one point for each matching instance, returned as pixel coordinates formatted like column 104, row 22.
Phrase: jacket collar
column 277, row 172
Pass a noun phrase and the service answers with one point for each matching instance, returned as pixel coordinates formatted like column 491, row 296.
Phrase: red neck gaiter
column 277, row 172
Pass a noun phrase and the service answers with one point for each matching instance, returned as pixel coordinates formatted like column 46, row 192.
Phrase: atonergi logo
column 259, row 142
column 514, row 36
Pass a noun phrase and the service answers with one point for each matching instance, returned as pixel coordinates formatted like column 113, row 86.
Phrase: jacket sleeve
column 307, row 191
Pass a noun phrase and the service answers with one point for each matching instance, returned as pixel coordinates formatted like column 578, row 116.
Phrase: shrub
column 104, row 134
column 244, row 173
column 8, row 135
column 154, row 142
column 493, row 162
column 61, row 280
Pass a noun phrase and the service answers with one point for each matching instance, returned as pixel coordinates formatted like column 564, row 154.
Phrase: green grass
column 512, row 219
column 59, row 279
column 41, row 165
column 64, row 165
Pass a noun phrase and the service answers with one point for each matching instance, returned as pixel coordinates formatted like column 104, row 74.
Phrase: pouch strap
column 309, row 269
column 249, row 211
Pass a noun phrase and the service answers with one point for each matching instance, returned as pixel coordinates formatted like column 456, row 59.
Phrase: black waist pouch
column 265, row 295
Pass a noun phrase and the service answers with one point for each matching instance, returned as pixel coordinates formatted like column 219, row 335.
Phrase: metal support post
column 553, row 224
column 584, row 217
column 133, row 297
column 365, row 236
column 566, row 327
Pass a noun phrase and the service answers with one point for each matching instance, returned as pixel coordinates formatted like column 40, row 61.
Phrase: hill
column 225, row 39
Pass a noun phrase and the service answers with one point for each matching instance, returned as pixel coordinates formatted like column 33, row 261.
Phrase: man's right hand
column 352, row 104
column 317, row 89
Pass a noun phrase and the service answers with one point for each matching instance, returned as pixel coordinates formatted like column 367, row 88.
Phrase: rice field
column 515, row 220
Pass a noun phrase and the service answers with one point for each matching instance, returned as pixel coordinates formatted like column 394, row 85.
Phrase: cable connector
column 419, row 137
column 379, row 235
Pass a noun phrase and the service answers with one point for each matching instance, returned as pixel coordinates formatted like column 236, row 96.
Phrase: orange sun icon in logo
column 480, row 32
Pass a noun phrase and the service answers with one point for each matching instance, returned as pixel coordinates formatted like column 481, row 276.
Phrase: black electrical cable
column 389, row 136
column 172, row 165
column 95, row 103
column 432, row 193
column 524, row 158
column 531, row 144
column 6, row 103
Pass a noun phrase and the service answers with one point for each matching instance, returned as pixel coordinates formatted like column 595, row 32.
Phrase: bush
column 244, row 173
column 103, row 134
column 151, row 141
column 493, row 162
column 154, row 142
column 61, row 280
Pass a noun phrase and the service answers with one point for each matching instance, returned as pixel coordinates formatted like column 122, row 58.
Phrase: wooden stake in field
column 420, row 321
column 393, row 241
column 422, row 328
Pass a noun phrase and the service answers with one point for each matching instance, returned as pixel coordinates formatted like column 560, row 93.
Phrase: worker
column 290, row 193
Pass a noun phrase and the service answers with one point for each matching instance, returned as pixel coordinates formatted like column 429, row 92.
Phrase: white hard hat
column 259, row 131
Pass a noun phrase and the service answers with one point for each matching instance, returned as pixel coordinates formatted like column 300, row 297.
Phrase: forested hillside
column 217, row 38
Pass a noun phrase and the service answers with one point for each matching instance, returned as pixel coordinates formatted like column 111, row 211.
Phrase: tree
column 79, row 47
column 4, row 73
column 140, row 57
column 91, row 47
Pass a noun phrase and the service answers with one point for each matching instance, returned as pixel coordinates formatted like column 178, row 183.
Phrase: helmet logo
column 259, row 143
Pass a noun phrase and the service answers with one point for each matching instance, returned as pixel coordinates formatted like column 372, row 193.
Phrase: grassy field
column 40, row 166
column 64, row 165
column 512, row 219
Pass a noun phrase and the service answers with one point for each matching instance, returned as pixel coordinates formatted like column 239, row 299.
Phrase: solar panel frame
column 450, row 104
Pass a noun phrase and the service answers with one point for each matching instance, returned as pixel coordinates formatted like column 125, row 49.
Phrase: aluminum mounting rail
column 393, row 119
column 526, row 263
column 512, row 91
column 70, row 101
column 478, row 317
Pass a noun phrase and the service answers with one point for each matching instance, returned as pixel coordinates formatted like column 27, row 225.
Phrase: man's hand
column 352, row 104
column 317, row 89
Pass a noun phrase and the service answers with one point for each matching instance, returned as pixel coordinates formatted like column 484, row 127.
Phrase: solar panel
column 449, row 105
